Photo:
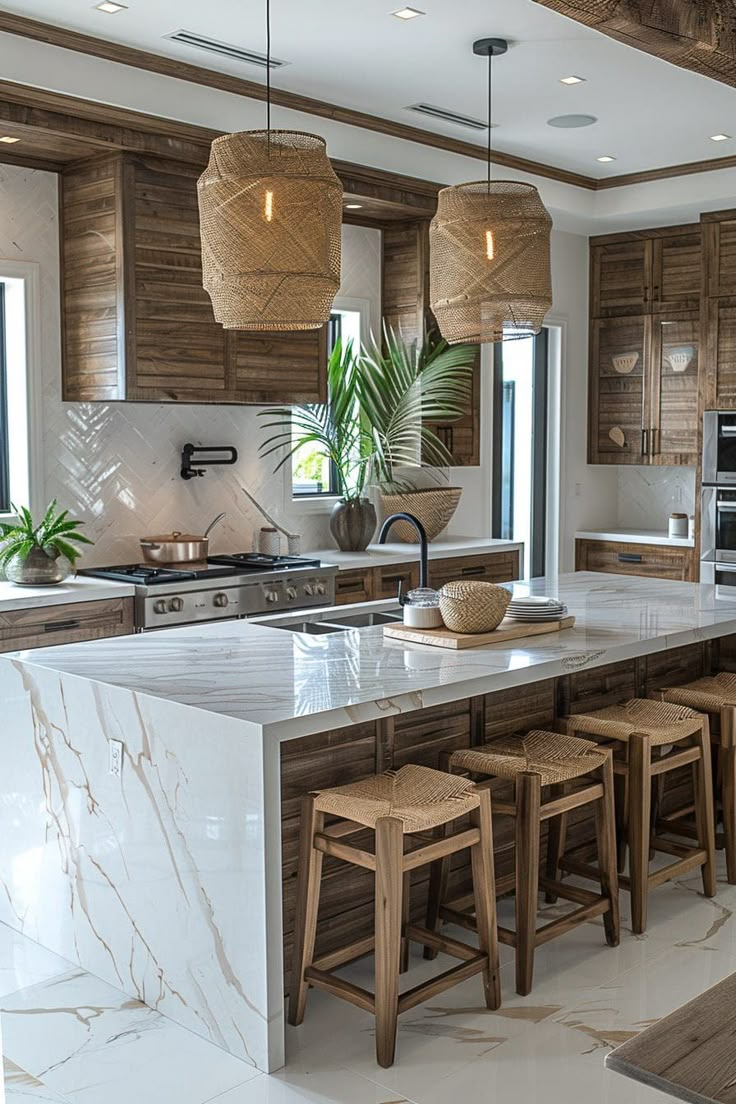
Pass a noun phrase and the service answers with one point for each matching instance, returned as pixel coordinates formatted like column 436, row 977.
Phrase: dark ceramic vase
column 353, row 523
column 38, row 568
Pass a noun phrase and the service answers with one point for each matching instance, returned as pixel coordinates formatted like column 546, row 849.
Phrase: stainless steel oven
column 719, row 447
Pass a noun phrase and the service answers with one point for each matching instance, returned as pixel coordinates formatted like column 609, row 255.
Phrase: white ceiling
column 356, row 54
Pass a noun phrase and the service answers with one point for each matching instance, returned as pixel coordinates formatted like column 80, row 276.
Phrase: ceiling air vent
column 224, row 49
column 448, row 116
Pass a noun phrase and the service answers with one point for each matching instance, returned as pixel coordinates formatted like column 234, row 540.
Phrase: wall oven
column 719, row 447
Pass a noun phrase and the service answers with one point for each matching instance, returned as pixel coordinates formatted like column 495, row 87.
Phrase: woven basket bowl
column 433, row 506
column 469, row 606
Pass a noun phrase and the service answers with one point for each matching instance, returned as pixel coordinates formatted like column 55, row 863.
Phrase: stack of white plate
column 536, row 608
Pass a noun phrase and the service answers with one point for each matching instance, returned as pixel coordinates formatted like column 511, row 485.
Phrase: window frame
column 23, row 383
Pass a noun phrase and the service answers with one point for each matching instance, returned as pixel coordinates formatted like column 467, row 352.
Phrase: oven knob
column 159, row 606
column 309, row 589
column 176, row 605
column 291, row 592
column 321, row 588
column 272, row 596
column 220, row 601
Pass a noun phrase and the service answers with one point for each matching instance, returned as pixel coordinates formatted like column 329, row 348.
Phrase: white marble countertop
column 637, row 536
column 291, row 684
column 395, row 552
column 81, row 589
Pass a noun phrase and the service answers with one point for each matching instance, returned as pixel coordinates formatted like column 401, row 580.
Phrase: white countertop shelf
column 637, row 536
column 80, row 589
column 396, row 552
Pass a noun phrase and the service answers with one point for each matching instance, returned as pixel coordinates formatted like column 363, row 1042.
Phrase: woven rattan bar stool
column 715, row 696
column 678, row 736
column 414, row 801
column 533, row 762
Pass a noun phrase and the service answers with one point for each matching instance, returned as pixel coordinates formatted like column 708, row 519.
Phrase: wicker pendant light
column 489, row 276
column 270, row 211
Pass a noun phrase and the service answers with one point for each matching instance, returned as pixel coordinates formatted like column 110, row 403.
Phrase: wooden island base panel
column 690, row 1054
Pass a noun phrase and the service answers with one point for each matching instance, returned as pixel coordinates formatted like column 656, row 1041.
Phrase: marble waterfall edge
column 156, row 881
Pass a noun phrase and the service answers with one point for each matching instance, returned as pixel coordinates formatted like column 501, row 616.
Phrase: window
column 312, row 475
column 20, row 431
column 520, row 447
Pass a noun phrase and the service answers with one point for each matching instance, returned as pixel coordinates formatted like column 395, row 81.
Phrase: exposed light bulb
column 268, row 206
column 490, row 247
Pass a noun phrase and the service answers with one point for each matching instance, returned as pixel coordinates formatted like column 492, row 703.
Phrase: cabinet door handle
column 61, row 626
column 645, row 442
column 629, row 557
column 479, row 569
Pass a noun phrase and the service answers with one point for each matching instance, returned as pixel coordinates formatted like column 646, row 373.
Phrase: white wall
column 116, row 465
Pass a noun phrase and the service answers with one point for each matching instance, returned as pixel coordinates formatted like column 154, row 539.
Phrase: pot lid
column 174, row 538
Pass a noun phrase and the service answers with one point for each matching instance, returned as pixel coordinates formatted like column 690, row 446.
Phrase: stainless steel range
column 225, row 587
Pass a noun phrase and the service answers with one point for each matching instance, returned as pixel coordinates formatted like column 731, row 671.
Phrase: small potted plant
column 40, row 555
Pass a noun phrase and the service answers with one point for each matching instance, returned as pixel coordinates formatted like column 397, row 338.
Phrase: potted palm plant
column 337, row 431
column 403, row 389
column 43, row 554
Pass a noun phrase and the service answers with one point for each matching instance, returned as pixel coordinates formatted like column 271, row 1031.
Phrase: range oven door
column 718, row 525
column 719, row 447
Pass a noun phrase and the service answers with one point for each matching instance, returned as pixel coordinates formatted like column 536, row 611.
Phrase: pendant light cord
column 268, row 68
column 490, row 85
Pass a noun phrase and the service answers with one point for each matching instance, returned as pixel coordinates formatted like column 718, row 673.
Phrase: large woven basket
column 433, row 506
column 470, row 606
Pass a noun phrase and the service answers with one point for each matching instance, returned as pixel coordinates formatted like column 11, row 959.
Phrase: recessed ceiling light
column 408, row 13
column 605, row 158
column 353, row 206
column 8, row 140
column 719, row 137
column 110, row 7
column 572, row 80
column 569, row 121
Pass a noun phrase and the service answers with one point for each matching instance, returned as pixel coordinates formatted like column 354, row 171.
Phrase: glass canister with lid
column 422, row 608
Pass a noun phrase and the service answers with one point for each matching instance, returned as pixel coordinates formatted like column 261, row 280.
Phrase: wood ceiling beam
column 210, row 78
column 699, row 35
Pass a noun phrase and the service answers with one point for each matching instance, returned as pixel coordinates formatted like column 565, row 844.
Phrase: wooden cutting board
column 507, row 630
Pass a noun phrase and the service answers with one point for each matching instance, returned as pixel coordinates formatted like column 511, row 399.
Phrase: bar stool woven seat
column 662, row 722
column 555, row 757
column 421, row 798
column 708, row 694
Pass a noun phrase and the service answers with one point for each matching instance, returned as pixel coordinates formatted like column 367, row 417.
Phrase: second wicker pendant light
column 490, row 276
column 270, row 210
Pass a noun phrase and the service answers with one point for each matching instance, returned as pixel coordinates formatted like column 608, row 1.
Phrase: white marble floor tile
column 23, row 962
column 24, row 1088
column 327, row 1087
column 91, row 1043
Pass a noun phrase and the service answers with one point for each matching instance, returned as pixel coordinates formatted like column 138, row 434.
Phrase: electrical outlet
column 578, row 490
column 116, row 757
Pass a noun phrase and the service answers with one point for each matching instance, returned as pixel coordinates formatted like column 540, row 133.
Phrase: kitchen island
column 169, row 869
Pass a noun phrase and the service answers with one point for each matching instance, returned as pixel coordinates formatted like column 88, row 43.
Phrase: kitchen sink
column 339, row 622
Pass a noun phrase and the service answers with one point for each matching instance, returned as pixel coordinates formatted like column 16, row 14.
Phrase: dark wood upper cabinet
column 619, row 390
column 719, row 240
column 138, row 325
column 677, row 267
column 621, row 278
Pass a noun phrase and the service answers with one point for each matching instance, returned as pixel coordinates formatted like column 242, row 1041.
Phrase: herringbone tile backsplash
column 117, row 465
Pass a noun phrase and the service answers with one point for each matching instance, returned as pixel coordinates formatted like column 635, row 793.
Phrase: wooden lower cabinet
column 375, row 583
column 653, row 560
column 52, row 625
column 344, row 755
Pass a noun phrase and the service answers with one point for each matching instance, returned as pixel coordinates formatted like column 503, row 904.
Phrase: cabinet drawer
column 386, row 579
column 353, row 586
column 52, row 625
column 499, row 567
column 655, row 561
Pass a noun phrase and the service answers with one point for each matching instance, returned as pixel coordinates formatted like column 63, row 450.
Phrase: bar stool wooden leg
column 439, row 873
column 484, row 889
column 621, row 797
column 704, row 816
column 405, row 919
column 556, row 835
column 307, row 907
column 727, row 763
column 528, row 801
column 605, row 825
column 640, row 806
column 388, row 912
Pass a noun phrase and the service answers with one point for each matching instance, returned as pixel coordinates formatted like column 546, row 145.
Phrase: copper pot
column 176, row 547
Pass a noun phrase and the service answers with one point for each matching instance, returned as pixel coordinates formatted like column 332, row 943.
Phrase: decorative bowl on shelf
column 625, row 363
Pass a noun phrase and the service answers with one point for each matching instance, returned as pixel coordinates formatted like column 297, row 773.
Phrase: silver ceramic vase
column 38, row 568
column 353, row 524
